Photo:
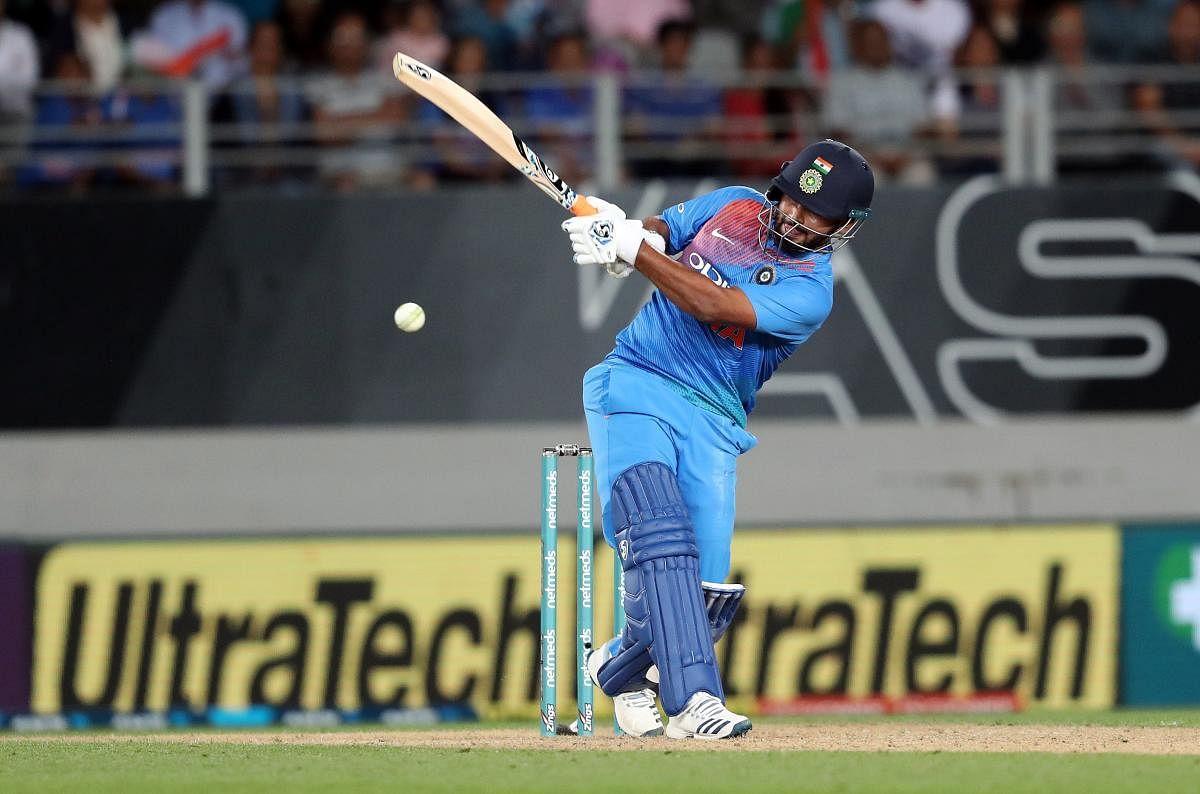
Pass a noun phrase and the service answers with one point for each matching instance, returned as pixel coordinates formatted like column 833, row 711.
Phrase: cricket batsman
column 743, row 278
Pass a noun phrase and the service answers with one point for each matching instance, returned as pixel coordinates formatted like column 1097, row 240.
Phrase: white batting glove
column 655, row 239
column 604, row 240
column 606, row 208
column 609, row 210
column 609, row 239
column 621, row 268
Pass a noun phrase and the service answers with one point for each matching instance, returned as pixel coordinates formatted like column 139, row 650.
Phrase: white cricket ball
column 410, row 317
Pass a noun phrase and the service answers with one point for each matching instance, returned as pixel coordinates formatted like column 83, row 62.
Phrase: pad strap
column 722, row 602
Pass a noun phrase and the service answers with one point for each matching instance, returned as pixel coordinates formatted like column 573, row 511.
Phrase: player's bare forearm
column 693, row 292
column 657, row 224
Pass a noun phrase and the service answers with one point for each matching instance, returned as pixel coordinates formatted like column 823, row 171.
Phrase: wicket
column 584, row 556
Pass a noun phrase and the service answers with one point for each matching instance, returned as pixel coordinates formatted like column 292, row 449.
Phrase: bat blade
column 467, row 109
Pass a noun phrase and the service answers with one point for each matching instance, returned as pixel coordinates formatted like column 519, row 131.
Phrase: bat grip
column 581, row 207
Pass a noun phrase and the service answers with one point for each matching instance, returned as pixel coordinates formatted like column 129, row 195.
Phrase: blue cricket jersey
column 720, row 367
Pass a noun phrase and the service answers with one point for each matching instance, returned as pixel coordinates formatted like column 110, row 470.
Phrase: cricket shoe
column 635, row 709
column 705, row 717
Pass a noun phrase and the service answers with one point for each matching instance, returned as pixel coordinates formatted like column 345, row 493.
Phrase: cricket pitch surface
column 905, row 737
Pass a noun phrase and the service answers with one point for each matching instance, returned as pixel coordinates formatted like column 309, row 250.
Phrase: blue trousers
column 634, row 417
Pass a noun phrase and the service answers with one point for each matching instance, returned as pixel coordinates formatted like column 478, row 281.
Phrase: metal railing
column 598, row 130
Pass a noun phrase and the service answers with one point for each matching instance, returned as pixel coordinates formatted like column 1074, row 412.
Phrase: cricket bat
column 467, row 110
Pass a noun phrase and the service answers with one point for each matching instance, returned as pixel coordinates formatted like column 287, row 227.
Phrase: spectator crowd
column 711, row 87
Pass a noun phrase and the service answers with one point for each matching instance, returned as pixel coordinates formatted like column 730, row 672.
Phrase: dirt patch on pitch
column 869, row 738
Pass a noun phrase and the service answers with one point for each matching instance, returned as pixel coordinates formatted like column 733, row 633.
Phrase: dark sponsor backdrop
column 974, row 300
column 84, row 286
column 1160, row 615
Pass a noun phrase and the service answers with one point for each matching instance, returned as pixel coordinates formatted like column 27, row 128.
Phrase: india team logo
column 813, row 178
column 1177, row 592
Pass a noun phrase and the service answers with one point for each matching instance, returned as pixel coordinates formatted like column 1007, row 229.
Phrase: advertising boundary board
column 387, row 622
column 16, row 604
column 1160, row 614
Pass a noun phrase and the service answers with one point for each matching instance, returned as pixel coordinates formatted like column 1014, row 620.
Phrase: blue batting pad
column 664, row 606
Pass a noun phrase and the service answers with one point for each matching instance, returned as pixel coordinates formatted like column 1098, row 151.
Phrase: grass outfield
column 381, row 761
column 110, row 767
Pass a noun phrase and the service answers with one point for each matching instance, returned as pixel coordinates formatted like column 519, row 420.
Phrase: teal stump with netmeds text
column 585, row 538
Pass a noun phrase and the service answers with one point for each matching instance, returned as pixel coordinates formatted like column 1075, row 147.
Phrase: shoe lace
column 641, row 698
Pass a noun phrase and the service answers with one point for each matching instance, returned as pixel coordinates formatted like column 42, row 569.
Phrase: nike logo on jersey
column 717, row 233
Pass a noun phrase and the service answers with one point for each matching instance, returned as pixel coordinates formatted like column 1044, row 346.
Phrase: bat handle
column 581, row 207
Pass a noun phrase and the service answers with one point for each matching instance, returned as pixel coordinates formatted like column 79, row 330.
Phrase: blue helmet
column 828, row 178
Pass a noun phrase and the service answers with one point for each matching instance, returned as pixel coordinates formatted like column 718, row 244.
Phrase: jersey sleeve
column 792, row 309
column 686, row 218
